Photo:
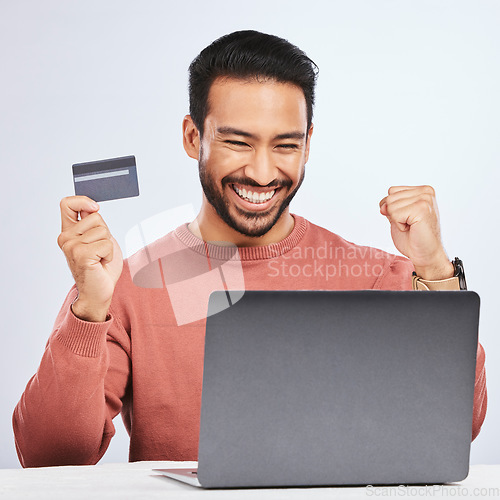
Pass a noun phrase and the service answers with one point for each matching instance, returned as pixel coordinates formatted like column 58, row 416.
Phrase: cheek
column 226, row 160
column 292, row 166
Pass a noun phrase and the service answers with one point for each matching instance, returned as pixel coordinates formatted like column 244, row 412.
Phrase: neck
column 208, row 226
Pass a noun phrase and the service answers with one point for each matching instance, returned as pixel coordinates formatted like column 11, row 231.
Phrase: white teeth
column 254, row 197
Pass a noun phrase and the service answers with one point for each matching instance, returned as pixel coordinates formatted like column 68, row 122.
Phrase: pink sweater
column 146, row 360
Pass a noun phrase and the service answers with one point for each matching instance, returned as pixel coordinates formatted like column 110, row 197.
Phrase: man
column 120, row 344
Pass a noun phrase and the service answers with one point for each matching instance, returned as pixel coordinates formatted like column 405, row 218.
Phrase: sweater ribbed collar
column 244, row 253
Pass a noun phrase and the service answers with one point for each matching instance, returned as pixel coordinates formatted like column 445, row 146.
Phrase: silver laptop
column 317, row 388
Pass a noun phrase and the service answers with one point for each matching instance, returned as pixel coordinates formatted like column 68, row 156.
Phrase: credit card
column 106, row 179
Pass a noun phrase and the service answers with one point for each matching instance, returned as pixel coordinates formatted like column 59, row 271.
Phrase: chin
column 253, row 224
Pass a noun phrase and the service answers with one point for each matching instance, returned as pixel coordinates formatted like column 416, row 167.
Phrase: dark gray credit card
column 106, row 179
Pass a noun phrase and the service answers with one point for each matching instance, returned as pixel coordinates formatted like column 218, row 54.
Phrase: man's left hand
column 413, row 214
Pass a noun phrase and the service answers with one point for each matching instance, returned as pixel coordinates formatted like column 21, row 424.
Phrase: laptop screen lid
column 309, row 388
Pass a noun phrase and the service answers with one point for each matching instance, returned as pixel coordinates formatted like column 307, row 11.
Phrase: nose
column 262, row 168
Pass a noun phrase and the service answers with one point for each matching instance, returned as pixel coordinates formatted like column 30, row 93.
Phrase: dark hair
column 249, row 54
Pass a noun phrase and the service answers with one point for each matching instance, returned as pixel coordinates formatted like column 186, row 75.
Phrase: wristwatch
column 456, row 282
column 458, row 266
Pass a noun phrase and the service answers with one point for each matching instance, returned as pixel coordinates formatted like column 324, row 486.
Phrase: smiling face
column 251, row 157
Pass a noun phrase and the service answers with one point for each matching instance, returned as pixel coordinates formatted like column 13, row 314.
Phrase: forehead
column 256, row 105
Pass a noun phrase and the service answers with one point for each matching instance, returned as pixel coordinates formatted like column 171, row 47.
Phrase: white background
column 408, row 93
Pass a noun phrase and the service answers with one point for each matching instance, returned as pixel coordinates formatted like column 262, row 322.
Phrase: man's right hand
column 93, row 256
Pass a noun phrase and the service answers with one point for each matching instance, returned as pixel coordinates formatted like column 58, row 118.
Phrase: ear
column 190, row 138
column 308, row 141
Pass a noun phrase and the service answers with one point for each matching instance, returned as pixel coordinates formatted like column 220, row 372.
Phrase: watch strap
column 447, row 284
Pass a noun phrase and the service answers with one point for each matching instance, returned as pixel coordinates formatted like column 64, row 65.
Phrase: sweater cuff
column 83, row 338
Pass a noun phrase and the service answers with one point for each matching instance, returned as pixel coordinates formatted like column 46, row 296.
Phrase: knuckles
column 108, row 245
column 424, row 205
column 61, row 239
column 393, row 190
column 426, row 195
column 72, row 244
column 429, row 190
column 76, row 252
column 65, row 202
column 94, row 218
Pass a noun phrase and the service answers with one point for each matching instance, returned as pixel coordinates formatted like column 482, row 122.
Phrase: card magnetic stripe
column 103, row 165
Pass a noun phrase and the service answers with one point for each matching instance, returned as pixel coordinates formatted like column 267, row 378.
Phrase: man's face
column 253, row 151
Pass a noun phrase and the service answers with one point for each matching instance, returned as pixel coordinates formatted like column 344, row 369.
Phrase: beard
column 248, row 223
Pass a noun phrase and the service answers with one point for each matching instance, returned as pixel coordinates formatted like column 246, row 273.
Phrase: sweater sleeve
column 397, row 275
column 480, row 393
column 64, row 416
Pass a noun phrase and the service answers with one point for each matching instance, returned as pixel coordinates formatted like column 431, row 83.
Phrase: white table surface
column 138, row 481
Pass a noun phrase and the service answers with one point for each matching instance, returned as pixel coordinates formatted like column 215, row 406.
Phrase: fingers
column 392, row 206
column 86, row 241
column 400, row 192
column 87, row 230
column 407, row 205
column 416, row 189
column 87, row 255
column 94, row 234
column 103, row 249
column 71, row 206
column 407, row 211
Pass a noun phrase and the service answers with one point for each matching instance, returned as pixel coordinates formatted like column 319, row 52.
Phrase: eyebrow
column 234, row 131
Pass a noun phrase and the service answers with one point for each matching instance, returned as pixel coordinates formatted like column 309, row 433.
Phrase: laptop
column 323, row 388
